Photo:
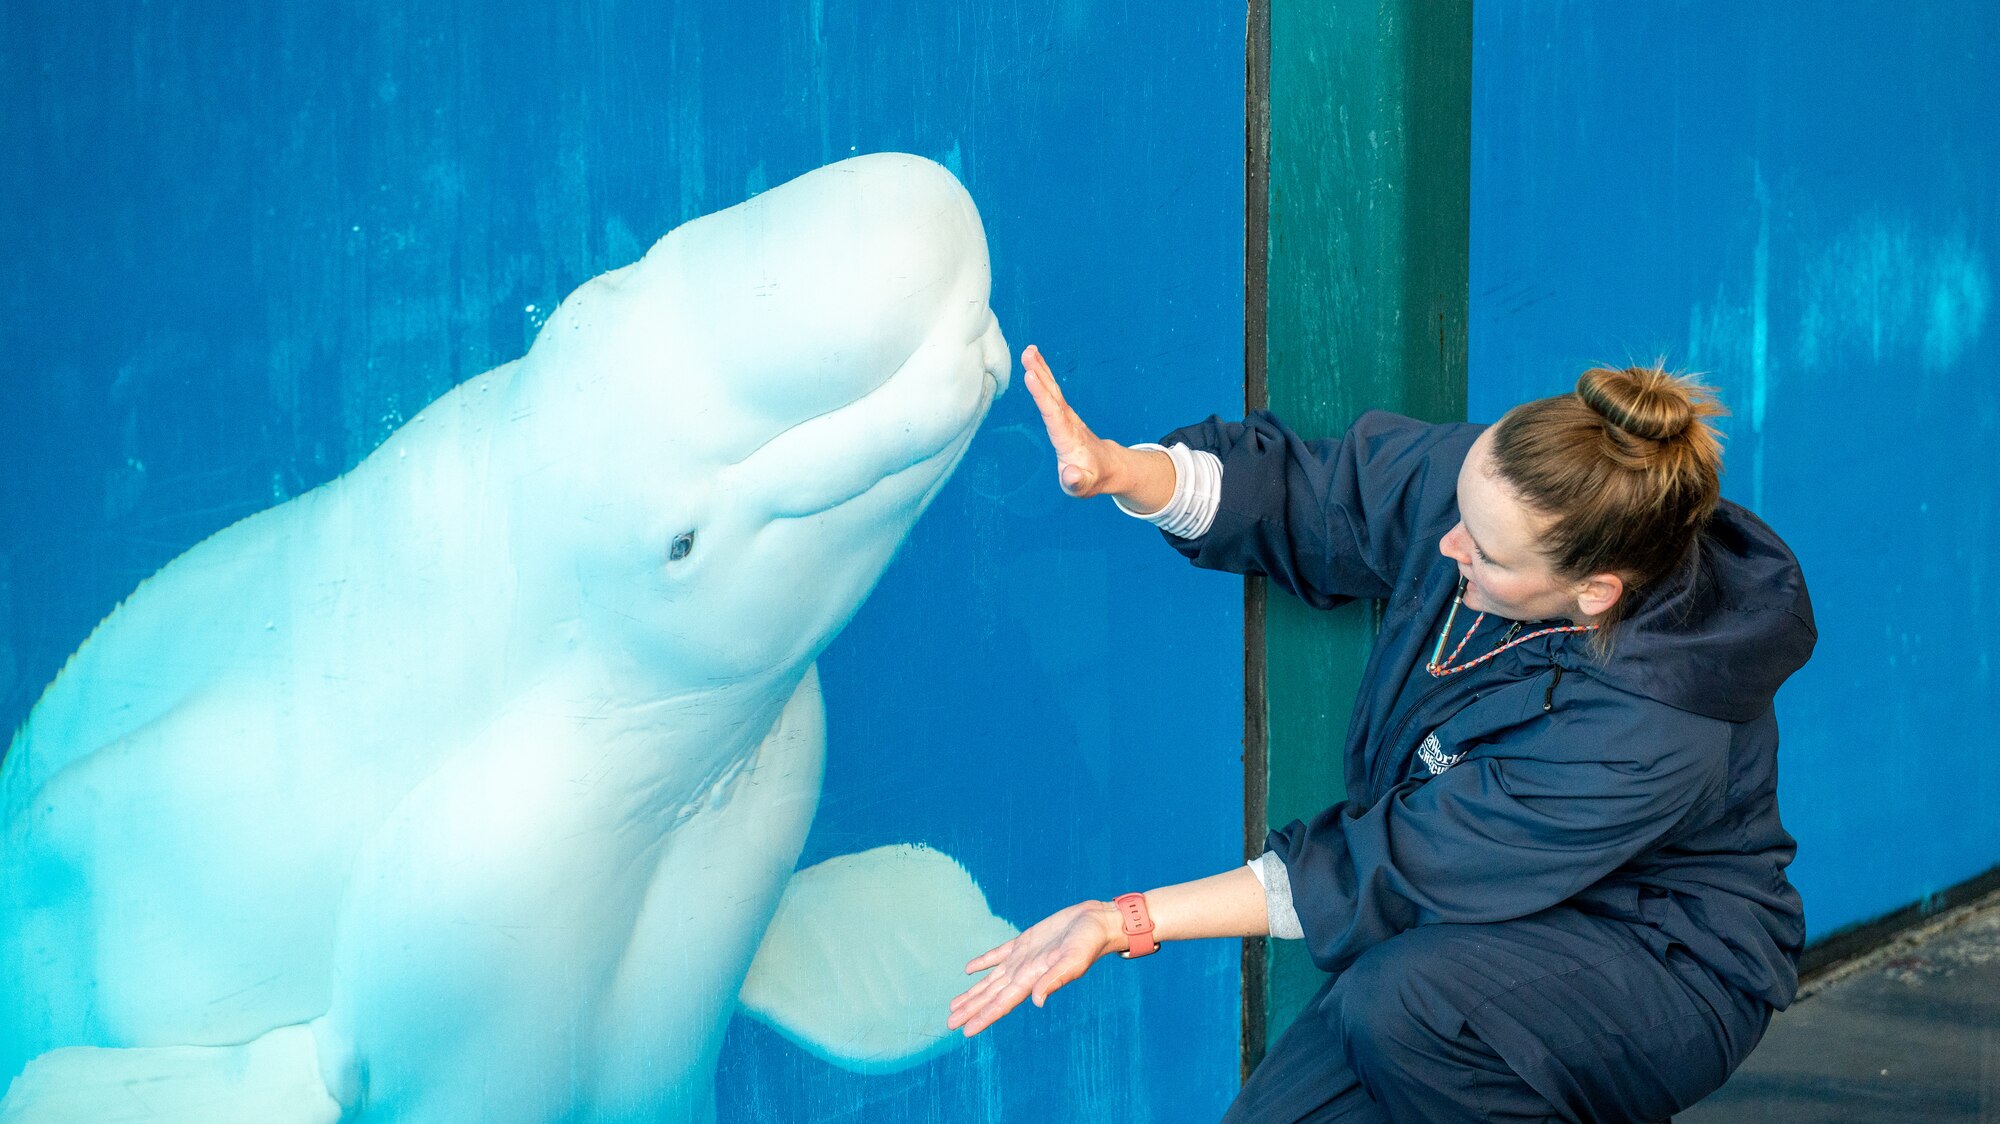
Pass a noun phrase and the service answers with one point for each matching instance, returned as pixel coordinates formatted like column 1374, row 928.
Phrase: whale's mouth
column 995, row 360
column 919, row 419
column 942, row 461
column 936, row 463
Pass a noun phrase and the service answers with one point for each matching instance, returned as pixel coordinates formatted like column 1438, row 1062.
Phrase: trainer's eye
column 682, row 546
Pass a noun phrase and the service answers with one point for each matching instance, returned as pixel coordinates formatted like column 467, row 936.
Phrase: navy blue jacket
column 1640, row 787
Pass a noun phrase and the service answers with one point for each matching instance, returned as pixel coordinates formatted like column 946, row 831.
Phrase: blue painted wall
column 1802, row 201
column 245, row 244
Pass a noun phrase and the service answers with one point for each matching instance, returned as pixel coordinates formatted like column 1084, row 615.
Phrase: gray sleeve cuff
column 1284, row 920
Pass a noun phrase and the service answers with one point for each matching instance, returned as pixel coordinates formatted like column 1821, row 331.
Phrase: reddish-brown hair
column 1626, row 470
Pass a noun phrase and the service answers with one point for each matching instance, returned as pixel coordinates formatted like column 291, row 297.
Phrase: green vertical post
column 1364, row 286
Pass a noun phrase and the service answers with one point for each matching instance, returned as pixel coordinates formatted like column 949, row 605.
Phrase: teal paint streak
column 1885, row 289
column 1760, row 338
column 1807, row 215
column 1879, row 289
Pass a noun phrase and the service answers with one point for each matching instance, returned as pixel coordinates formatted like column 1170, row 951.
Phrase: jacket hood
column 1719, row 635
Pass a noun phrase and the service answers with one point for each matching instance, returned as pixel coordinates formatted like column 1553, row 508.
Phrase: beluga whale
column 472, row 784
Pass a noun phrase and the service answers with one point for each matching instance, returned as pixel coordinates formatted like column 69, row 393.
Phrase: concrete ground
column 1909, row 1034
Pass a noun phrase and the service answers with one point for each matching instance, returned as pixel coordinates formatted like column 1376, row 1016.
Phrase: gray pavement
column 1909, row 1034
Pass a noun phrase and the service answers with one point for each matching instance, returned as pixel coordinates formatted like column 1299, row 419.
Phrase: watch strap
column 1138, row 925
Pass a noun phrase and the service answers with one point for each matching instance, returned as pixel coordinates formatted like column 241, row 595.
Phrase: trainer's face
column 1496, row 546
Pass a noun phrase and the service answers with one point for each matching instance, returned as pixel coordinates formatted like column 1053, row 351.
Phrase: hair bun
column 1645, row 402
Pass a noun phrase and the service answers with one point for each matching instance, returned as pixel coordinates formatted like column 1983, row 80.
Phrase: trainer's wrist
column 1113, row 923
column 1141, row 480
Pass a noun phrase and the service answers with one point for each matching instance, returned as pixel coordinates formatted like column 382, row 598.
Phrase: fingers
column 1054, row 978
column 1065, row 428
column 987, row 959
column 1032, row 360
column 970, row 1000
column 973, row 996
column 980, row 1003
column 1077, row 468
column 982, row 1012
column 1048, row 401
column 1033, row 965
column 1002, row 1002
column 1001, row 992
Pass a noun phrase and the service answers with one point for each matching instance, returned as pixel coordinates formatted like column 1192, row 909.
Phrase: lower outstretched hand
column 1051, row 953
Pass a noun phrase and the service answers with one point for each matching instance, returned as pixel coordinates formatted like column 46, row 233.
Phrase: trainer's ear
column 1596, row 594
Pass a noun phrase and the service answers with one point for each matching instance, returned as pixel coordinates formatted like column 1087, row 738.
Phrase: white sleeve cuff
column 1284, row 919
column 1197, row 492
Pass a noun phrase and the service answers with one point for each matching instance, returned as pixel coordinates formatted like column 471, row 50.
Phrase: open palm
column 1048, row 955
column 1081, row 456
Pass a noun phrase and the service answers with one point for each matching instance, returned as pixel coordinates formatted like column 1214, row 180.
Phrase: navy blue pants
column 1557, row 1016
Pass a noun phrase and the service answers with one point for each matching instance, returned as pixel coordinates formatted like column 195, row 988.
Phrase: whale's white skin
column 469, row 780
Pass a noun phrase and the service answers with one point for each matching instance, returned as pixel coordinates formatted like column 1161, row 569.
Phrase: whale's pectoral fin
column 860, row 964
column 270, row 1080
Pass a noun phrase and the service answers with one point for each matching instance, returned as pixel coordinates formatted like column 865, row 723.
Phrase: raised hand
column 1048, row 955
column 1082, row 458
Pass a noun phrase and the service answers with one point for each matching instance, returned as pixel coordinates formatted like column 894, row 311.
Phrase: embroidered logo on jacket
column 1434, row 756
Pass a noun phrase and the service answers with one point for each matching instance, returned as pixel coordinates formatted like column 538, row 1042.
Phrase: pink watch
column 1138, row 925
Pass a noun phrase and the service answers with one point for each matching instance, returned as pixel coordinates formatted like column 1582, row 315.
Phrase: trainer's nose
column 1456, row 545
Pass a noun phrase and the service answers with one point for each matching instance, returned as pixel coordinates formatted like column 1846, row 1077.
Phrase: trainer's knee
column 1381, row 1007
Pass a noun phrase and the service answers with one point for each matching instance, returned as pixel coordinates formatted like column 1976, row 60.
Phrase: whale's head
column 717, row 449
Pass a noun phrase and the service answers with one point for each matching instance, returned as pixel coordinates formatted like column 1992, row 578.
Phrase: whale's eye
column 681, row 547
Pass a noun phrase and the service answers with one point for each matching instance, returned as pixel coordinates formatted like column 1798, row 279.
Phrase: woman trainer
column 1556, row 889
